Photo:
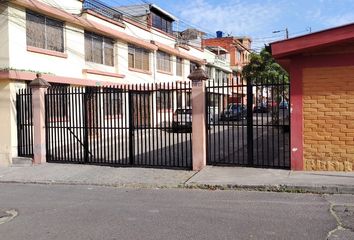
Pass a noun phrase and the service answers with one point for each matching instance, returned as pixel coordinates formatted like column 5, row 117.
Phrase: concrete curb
column 117, row 185
column 329, row 189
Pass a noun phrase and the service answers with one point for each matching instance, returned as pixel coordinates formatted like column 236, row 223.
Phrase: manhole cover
column 7, row 215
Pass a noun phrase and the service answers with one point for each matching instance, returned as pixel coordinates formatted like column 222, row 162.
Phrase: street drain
column 7, row 215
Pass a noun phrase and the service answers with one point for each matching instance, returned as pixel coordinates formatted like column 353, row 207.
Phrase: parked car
column 234, row 111
column 261, row 108
column 283, row 105
column 182, row 119
column 272, row 104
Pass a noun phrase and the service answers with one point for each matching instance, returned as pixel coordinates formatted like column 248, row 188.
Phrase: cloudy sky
column 257, row 18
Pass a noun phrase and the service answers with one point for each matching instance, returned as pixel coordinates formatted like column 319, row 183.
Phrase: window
column 238, row 56
column 163, row 61
column 161, row 23
column 179, row 66
column 112, row 102
column 138, row 58
column 221, row 77
column 99, row 49
column 192, row 67
column 164, row 100
column 183, row 100
column 208, row 72
column 44, row 32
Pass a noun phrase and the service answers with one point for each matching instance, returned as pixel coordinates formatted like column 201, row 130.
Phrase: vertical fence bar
column 86, row 127
column 146, row 150
column 249, row 123
column 131, row 129
column 18, row 118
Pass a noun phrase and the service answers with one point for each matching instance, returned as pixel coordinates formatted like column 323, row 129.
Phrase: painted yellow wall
column 328, row 98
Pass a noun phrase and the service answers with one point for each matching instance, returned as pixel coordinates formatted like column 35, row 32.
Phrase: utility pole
column 286, row 33
column 284, row 30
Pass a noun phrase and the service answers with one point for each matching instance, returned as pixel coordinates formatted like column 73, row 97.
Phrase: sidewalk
column 208, row 178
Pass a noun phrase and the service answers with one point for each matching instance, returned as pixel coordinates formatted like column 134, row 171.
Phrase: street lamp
column 284, row 30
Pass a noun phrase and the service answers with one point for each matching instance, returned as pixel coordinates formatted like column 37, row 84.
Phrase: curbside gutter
column 316, row 189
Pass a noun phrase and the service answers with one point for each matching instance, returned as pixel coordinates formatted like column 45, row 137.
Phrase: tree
column 263, row 68
column 267, row 76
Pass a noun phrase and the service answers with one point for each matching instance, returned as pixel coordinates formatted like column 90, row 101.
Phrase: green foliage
column 262, row 67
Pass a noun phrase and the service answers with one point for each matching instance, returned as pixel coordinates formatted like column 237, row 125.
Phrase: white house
column 83, row 43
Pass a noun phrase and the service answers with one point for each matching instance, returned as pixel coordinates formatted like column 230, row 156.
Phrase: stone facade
column 328, row 112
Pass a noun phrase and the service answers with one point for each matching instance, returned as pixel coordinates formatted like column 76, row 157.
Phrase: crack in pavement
column 7, row 215
column 340, row 225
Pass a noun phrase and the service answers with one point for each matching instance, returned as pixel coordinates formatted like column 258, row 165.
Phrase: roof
column 143, row 9
column 304, row 43
column 232, row 40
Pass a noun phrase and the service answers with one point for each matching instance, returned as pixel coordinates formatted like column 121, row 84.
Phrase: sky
column 257, row 19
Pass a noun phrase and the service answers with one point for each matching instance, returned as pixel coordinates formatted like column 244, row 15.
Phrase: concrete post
column 39, row 87
column 199, row 149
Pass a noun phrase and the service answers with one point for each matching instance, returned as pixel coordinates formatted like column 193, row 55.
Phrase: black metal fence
column 124, row 126
column 250, row 123
column 24, row 123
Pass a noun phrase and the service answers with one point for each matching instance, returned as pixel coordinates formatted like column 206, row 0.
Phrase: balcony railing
column 103, row 9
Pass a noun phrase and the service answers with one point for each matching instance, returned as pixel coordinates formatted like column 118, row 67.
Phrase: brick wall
column 328, row 98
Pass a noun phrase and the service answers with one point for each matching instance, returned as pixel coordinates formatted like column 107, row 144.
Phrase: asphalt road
column 48, row 212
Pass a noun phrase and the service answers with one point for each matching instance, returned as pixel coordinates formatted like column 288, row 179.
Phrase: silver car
column 182, row 119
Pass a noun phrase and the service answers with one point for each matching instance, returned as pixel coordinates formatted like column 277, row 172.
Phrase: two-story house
column 84, row 43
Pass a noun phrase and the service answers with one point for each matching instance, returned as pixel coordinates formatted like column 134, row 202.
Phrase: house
column 321, row 68
column 84, row 43
column 239, row 49
column 217, row 66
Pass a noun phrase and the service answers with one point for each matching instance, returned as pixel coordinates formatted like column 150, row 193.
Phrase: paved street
column 48, row 212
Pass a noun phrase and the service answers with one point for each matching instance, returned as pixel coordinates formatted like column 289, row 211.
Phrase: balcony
column 103, row 9
column 221, row 60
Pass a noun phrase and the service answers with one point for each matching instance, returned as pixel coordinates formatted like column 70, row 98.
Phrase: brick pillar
column 199, row 149
column 39, row 87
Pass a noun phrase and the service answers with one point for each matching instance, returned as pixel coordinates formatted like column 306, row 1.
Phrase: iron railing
column 119, row 126
column 103, row 9
column 251, row 123
column 24, row 123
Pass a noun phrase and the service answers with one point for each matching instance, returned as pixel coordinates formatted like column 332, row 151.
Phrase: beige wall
column 20, row 58
column 4, row 38
column 72, row 6
column 72, row 66
column 328, row 98
column 8, row 130
column 5, row 123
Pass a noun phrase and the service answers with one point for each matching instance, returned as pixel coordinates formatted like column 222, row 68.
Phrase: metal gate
column 118, row 126
column 251, row 123
column 24, row 123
